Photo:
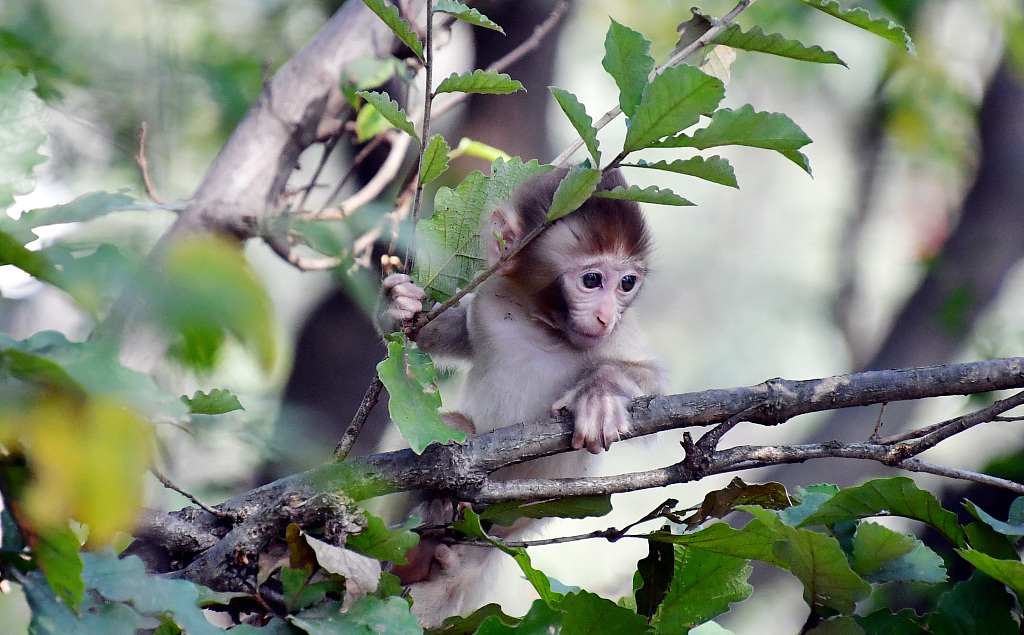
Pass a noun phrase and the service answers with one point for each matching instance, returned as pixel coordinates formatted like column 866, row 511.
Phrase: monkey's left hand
column 599, row 402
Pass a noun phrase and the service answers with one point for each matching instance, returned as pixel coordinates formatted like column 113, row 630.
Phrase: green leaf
column 448, row 253
column 588, row 613
column 978, row 605
column 57, row 555
column 573, row 191
column 714, row 168
column 125, row 580
column 830, row 586
column 377, row 541
column 401, row 28
column 650, row 194
column 885, row 622
column 409, row 376
column 370, row 123
column 31, row 262
column 775, row 44
column 368, row 615
column 217, row 402
column 435, row 159
column 479, row 81
column 84, row 208
column 508, row 175
column 579, row 119
column 572, row 507
column 297, row 594
column 1009, row 572
column 542, row 618
column 838, row 626
column 466, row 14
column 479, row 150
column 753, row 542
column 1014, row 526
column 50, row 615
column 672, row 102
column 811, row 498
column 883, row 555
column 653, row 577
column 703, row 586
column 390, row 110
column 627, row 58
column 860, row 18
column 21, row 135
column 897, row 496
column 207, row 290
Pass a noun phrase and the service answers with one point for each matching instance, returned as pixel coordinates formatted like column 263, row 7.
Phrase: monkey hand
column 599, row 402
column 404, row 300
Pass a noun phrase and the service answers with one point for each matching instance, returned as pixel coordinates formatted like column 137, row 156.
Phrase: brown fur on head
column 599, row 226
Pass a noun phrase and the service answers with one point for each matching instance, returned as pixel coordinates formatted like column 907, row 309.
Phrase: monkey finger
column 404, row 304
column 394, row 280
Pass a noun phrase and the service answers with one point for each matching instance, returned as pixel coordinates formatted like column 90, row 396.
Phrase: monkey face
column 596, row 293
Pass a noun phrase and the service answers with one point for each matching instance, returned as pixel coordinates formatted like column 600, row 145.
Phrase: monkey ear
column 501, row 233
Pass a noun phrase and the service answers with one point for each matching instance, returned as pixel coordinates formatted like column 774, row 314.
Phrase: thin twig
column 166, row 482
column 328, row 148
column 933, row 434
column 366, row 406
column 280, row 247
column 917, row 465
column 143, row 163
column 675, row 60
column 384, row 176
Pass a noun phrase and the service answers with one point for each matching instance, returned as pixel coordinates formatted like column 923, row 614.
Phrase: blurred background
column 904, row 248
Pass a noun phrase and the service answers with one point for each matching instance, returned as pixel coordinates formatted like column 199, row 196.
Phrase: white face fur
column 597, row 291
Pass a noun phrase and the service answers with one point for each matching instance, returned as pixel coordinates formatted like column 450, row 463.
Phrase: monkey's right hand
column 404, row 299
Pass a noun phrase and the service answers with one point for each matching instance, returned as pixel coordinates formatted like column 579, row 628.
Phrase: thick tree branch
column 464, row 469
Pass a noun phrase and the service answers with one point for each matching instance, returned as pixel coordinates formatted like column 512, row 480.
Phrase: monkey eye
column 591, row 280
column 627, row 283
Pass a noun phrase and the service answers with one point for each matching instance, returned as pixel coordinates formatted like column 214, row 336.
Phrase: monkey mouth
column 584, row 340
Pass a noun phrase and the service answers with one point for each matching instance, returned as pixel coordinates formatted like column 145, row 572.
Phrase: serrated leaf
column 703, row 585
column 774, row 44
column 589, row 613
column 479, row 81
column 579, row 119
column 860, row 18
column 21, row 135
column 377, row 541
column 574, row 190
column 50, row 615
column 673, row 101
column 830, row 586
column 449, row 253
column 370, row 614
column 650, row 194
column 370, row 123
column 714, row 168
column 743, row 127
column 409, row 376
column 572, row 507
column 435, row 159
column 390, row 110
column 627, row 58
column 885, row 622
column 217, row 402
column 874, row 545
column 391, row 17
column 466, row 14
column 898, row 496
column 508, row 174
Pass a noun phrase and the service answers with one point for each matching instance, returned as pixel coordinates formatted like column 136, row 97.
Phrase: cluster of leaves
column 697, row 567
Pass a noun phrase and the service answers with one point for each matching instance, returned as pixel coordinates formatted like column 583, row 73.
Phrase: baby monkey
column 549, row 332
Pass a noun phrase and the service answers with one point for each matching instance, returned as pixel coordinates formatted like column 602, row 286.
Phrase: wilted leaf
column 719, row 503
column 390, row 110
column 21, row 135
column 573, row 191
column 479, row 81
column 627, row 58
column 897, row 496
column 435, row 159
column 409, row 376
column 391, row 17
column 703, row 586
column 362, row 574
column 579, row 119
column 650, row 194
column 862, row 19
column 653, row 576
column 672, row 102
